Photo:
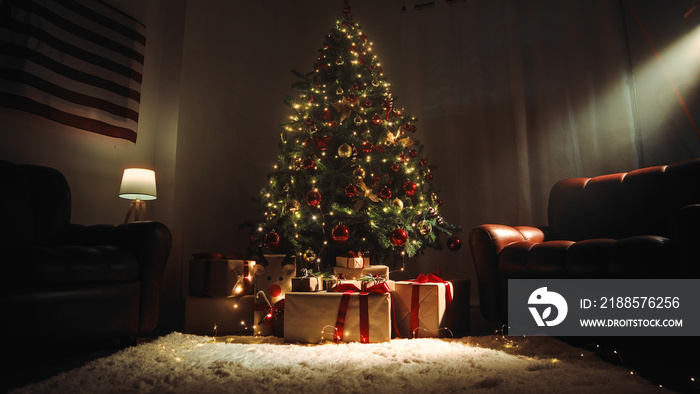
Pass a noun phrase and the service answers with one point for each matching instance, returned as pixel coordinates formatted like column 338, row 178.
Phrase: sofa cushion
column 644, row 256
column 632, row 257
column 34, row 266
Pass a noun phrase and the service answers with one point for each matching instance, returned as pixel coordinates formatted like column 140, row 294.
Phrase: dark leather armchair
column 640, row 224
column 67, row 282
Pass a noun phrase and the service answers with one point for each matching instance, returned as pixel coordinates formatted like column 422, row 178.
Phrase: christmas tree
column 349, row 177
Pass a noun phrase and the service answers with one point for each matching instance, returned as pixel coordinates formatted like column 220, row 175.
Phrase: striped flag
column 77, row 62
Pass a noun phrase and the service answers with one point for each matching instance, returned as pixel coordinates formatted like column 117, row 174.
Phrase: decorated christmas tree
column 349, row 178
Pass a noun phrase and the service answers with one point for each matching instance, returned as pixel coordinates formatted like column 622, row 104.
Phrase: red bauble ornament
column 366, row 147
column 429, row 178
column 410, row 127
column 340, row 233
column 385, row 193
column 308, row 163
column 327, row 114
column 272, row 240
column 413, row 153
column 313, row 198
column 395, row 167
column 350, row 191
column 410, row 188
column 376, row 119
column 423, row 162
column 398, row 237
column 321, row 143
column 454, row 243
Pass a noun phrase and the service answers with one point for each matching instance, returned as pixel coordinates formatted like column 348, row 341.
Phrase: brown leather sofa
column 640, row 224
column 70, row 283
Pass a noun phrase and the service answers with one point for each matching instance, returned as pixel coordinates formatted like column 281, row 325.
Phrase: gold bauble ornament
column 398, row 202
column 309, row 255
column 345, row 151
column 424, row 227
column 358, row 173
column 296, row 164
column 292, row 206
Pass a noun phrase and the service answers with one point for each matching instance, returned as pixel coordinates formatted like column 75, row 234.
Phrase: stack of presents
column 356, row 302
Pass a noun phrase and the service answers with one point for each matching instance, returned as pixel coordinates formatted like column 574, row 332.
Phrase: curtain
column 513, row 96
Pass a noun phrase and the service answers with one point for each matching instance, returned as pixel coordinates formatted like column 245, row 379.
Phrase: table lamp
column 139, row 186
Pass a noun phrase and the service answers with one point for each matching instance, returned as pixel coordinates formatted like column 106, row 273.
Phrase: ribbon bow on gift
column 415, row 296
column 271, row 311
column 348, row 289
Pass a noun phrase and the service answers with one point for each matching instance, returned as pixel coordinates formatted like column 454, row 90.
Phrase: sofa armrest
column 486, row 242
column 686, row 237
column 150, row 242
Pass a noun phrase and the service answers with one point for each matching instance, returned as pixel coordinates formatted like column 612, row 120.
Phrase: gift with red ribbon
column 352, row 260
column 423, row 307
column 346, row 314
column 357, row 273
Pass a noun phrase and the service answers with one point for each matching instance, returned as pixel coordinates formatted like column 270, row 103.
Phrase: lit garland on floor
column 510, row 343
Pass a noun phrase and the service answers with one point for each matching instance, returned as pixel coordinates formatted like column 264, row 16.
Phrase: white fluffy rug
column 197, row 364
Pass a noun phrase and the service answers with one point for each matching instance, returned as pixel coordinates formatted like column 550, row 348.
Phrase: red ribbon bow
column 348, row 289
column 270, row 311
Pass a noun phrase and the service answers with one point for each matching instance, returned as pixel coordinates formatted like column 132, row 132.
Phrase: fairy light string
column 348, row 158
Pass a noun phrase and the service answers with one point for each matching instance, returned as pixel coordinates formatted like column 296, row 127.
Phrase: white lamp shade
column 138, row 183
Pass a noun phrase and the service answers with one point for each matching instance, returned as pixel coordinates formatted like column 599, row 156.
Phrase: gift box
column 220, row 277
column 343, row 316
column 219, row 316
column 423, row 307
column 356, row 273
column 271, row 283
column 352, row 260
column 307, row 284
column 360, row 284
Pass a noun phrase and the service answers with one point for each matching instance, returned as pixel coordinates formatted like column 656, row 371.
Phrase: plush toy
column 272, row 280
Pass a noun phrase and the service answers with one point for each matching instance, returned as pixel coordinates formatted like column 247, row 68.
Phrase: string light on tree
column 355, row 162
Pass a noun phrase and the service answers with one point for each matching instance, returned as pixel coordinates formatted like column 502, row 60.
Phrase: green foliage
column 347, row 140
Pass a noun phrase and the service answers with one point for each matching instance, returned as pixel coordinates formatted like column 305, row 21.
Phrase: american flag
column 77, row 62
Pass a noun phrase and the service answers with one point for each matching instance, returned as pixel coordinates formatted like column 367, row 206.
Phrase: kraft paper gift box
column 314, row 317
column 352, row 261
column 307, row 284
column 219, row 316
column 361, row 284
column 271, row 283
column 423, row 309
column 356, row 273
column 220, row 277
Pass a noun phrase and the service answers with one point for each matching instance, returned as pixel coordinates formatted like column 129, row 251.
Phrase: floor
column 663, row 361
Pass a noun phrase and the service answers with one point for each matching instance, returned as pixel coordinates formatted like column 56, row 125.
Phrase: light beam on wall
column 676, row 68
